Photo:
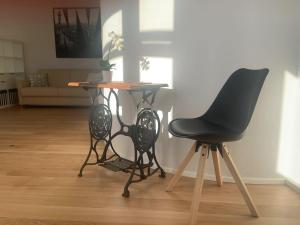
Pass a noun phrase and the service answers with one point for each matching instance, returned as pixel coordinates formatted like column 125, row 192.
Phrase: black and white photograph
column 77, row 32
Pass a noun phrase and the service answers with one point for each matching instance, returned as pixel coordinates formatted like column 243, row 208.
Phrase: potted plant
column 116, row 43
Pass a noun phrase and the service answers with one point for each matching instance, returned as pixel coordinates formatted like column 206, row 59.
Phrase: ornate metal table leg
column 86, row 160
column 126, row 192
column 144, row 136
column 100, row 128
column 149, row 125
column 162, row 172
column 93, row 147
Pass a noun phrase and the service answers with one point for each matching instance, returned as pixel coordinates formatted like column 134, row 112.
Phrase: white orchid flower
column 116, row 42
column 119, row 44
column 145, row 63
column 112, row 34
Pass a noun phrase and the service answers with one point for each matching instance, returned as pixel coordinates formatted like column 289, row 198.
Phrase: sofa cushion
column 39, row 91
column 37, row 80
column 72, row 92
column 57, row 78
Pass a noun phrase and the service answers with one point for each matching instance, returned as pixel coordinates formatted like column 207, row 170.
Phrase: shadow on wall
column 194, row 46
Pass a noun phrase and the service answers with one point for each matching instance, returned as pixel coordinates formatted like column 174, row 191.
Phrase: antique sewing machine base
column 143, row 135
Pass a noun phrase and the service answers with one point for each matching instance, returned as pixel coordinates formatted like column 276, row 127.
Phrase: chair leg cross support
column 238, row 180
column 205, row 148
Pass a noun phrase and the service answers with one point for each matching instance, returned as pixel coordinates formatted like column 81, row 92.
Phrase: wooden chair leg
column 199, row 185
column 181, row 168
column 241, row 185
column 215, row 156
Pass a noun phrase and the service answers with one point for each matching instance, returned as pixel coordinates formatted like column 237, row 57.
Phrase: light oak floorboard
column 42, row 149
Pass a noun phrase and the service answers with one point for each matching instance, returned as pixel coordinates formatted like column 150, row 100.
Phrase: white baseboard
column 247, row 180
column 293, row 185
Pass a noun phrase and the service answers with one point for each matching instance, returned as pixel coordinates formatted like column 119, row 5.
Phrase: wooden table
column 119, row 85
column 143, row 133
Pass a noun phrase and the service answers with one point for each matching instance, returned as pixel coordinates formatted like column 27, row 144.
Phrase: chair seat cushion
column 199, row 129
column 72, row 92
column 39, row 91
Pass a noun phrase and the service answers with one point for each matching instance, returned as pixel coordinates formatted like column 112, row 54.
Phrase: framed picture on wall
column 77, row 32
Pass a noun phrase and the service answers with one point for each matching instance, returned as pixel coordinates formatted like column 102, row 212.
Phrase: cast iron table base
column 143, row 134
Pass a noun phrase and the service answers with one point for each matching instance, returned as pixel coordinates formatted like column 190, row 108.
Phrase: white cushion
column 38, row 80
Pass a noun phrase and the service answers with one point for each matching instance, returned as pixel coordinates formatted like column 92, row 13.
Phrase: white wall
column 31, row 21
column 206, row 40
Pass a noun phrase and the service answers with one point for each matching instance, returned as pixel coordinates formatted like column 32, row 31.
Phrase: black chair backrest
column 235, row 103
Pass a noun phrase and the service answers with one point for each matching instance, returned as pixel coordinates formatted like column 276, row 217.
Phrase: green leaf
column 105, row 65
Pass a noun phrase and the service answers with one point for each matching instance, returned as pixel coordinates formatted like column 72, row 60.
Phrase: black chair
column 225, row 121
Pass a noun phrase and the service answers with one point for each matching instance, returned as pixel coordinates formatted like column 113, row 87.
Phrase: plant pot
column 94, row 78
column 107, row 76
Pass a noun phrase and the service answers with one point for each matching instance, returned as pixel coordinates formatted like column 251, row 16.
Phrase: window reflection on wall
column 289, row 154
column 156, row 15
column 160, row 71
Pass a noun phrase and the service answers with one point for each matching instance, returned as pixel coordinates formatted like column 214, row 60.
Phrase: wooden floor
column 41, row 151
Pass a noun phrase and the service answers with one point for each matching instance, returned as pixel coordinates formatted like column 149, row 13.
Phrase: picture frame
column 77, row 32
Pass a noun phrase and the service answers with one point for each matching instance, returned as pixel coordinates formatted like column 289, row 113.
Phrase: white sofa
column 57, row 93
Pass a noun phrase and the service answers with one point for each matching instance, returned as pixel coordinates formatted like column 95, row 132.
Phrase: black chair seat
column 201, row 130
column 229, row 115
